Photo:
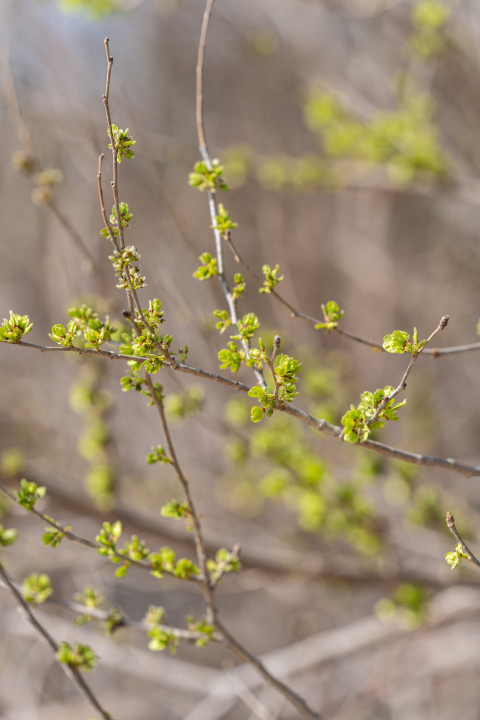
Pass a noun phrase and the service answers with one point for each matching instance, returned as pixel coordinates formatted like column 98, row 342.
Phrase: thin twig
column 102, row 204
column 435, row 352
column 403, row 382
column 73, row 673
column 74, row 235
column 271, row 367
column 456, row 534
column 90, row 543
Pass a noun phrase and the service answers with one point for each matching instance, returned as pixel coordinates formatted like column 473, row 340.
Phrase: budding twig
column 403, row 382
column 451, row 526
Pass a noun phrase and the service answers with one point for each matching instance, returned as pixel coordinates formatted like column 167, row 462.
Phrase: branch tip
column 444, row 322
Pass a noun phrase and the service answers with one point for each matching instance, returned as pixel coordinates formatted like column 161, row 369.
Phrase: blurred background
column 349, row 134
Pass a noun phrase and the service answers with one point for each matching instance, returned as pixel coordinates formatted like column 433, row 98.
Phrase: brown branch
column 451, row 526
column 250, row 659
column 321, row 425
column 73, row 673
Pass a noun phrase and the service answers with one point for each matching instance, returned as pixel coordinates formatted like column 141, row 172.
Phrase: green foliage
column 222, row 221
column 223, row 320
column 12, row 462
column 125, row 215
column 231, row 357
column 356, row 420
column 81, row 657
column 429, row 19
column 279, row 465
column 404, row 140
column 408, row 605
column 158, row 455
column 204, row 178
column 455, row 558
column 108, row 538
column 271, row 278
column 161, row 638
column 113, row 621
column 154, row 315
column 162, row 561
column 13, row 329
column 95, row 9
column 201, row 626
column 285, row 369
column 122, row 261
column 185, row 569
column 36, row 588
column 29, row 493
column 53, row 535
column 247, row 327
column 123, row 143
column 332, row 314
column 400, row 342
column 239, row 286
column 7, row 536
column 92, row 402
column 427, row 508
column 303, row 174
column 91, row 598
column 184, row 405
column 208, row 268
column 175, row 509
column 64, row 336
column 224, row 562
column 134, row 549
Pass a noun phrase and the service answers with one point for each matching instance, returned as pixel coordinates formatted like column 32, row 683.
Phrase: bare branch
column 289, row 694
column 73, row 673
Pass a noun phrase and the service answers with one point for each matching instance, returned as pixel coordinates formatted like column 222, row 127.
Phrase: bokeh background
column 349, row 134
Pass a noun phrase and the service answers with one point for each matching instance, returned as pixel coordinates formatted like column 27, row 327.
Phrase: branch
column 451, row 526
column 73, row 673
column 90, row 543
column 124, row 621
column 321, row 425
column 283, row 689
column 212, row 205
column 435, row 352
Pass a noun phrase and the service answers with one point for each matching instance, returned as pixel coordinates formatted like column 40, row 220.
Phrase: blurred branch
column 30, row 160
column 73, row 673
